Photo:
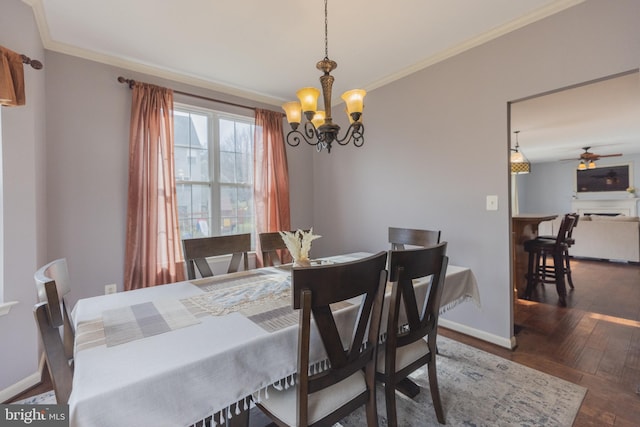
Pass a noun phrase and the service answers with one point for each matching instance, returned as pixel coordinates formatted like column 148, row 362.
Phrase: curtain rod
column 131, row 82
column 33, row 62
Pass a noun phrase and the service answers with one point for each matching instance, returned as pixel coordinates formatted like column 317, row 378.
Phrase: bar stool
column 570, row 241
column 538, row 249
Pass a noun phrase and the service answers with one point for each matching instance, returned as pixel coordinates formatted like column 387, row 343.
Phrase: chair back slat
column 399, row 237
column 196, row 252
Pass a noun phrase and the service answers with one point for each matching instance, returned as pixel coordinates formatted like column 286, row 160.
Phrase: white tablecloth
column 182, row 376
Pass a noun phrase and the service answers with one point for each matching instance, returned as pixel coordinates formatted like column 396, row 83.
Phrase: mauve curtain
column 11, row 78
column 153, row 247
column 271, row 176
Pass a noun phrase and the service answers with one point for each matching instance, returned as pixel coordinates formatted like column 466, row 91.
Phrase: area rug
column 46, row 398
column 480, row 389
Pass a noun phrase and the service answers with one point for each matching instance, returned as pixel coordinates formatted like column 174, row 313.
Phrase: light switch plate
column 110, row 289
column 492, row 203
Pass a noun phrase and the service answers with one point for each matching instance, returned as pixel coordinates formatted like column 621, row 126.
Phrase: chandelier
column 319, row 129
column 519, row 163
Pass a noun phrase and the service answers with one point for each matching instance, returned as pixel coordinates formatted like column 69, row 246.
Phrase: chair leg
column 390, row 399
column 372, row 404
column 567, row 269
column 435, row 391
column 558, row 261
column 530, row 275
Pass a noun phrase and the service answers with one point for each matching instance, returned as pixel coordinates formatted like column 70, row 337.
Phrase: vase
column 302, row 262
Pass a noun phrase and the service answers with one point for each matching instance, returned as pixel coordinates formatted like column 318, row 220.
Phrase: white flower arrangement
column 631, row 190
column 299, row 244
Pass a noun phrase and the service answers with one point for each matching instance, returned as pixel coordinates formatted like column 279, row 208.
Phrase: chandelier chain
column 326, row 32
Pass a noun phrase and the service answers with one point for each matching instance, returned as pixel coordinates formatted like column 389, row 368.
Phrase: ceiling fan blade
column 610, row 155
column 570, row 159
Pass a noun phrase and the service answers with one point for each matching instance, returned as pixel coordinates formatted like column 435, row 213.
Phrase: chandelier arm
column 294, row 137
column 310, row 132
column 354, row 132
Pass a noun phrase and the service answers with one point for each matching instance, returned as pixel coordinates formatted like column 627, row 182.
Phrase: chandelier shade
column 319, row 129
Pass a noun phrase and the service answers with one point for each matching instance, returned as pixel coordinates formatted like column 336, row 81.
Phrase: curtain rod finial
column 130, row 82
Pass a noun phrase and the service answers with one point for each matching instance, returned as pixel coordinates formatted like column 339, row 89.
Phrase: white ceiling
column 266, row 50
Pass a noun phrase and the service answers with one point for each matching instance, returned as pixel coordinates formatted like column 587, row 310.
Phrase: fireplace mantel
column 628, row 207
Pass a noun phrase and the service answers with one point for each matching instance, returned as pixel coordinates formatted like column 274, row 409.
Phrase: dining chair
column 405, row 348
column 348, row 382
column 398, row 237
column 196, row 252
column 273, row 248
column 57, row 272
column 48, row 320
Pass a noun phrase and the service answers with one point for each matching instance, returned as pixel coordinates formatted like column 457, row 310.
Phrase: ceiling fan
column 589, row 156
column 588, row 159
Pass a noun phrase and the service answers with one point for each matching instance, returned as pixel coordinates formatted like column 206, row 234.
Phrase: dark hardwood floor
column 593, row 342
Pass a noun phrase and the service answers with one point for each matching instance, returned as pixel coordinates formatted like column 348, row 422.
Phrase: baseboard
column 476, row 333
column 24, row 384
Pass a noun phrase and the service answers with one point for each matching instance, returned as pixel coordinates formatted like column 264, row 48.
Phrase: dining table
column 180, row 353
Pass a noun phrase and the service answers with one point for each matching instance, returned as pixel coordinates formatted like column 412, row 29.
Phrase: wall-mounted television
column 603, row 178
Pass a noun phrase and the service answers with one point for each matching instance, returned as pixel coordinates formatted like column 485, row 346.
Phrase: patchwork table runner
column 124, row 324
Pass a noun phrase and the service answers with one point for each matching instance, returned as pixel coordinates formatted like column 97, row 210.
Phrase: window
column 214, row 172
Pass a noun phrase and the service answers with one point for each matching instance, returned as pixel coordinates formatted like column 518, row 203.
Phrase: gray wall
column 22, row 236
column 437, row 144
column 550, row 186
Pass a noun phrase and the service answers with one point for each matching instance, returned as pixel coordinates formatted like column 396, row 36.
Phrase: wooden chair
column 48, row 320
column 197, row 250
column 270, row 244
column 538, row 248
column 570, row 241
column 56, row 272
column 398, row 237
column 406, row 350
column 323, row 398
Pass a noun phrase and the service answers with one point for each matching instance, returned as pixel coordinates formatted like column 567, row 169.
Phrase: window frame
column 215, row 183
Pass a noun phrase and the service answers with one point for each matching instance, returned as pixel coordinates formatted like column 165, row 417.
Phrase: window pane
column 181, row 155
column 227, row 135
column 244, row 137
column 227, row 167
column 244, row 168
column 181, row 128
column 191, row 146
column 236, row 209
column 194, row 212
